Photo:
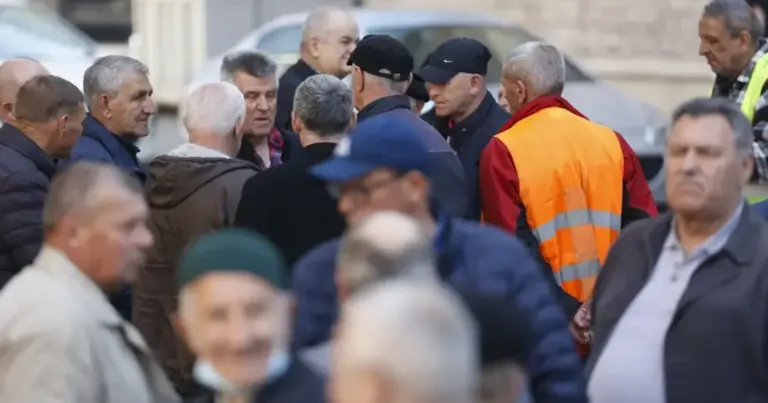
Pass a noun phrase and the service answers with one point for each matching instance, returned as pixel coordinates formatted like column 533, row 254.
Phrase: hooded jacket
column 191, row 191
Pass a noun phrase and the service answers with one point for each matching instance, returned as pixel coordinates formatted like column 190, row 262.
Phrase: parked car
column 422, row 31
column 37, row 33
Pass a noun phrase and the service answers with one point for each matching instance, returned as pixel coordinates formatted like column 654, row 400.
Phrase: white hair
column 384, row 245
column 417, row 336
column 106, row 75
column 393, row 87
column 215, row 108
column 540, row 65
column 319, row 20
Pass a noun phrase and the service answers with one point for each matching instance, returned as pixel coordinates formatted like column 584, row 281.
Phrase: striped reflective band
column 576, row 218
column 577, row 271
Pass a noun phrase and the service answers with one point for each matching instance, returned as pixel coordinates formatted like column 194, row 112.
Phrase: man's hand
column 580, row 325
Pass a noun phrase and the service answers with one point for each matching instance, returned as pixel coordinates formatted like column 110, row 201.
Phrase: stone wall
column 647, row 48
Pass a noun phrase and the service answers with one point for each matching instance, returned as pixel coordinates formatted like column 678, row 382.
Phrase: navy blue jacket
column 25, row 174
column 761, row 209
column 97, row 144
column 447, row 181
column 471, row 257
column 468, row 138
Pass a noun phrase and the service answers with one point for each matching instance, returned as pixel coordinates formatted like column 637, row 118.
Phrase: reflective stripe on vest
column 754, row 88
column 571, row 178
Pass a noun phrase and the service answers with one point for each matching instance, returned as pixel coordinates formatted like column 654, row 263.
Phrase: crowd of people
column 315, row 241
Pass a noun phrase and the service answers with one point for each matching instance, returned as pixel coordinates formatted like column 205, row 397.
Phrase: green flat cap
column 232, row 250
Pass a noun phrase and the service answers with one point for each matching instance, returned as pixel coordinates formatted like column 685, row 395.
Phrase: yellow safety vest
column 754, row 87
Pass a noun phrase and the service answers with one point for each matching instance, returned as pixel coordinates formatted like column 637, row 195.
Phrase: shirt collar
column 714, row 243
column 195, row 150
column 762, row 48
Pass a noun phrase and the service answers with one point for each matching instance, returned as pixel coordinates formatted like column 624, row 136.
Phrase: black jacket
column 447, row 176
column 715, row 347
column 25, row 175
column 290, row 207
column 291, row 146
column 286, row 89
column 468, row 138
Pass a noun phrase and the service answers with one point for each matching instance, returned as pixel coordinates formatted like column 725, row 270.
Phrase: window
column 422, row 41
column 282, row 40
column 28, row 32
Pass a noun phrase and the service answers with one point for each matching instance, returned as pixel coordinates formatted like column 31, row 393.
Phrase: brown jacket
column 190, row 192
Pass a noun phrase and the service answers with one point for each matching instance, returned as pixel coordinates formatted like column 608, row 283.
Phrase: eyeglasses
column 360, row 191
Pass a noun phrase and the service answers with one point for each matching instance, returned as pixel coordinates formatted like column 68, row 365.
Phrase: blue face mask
column 206, row 374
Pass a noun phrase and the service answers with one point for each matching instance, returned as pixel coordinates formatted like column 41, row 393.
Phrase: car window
column 423, row 40
column 282, row 40
column 33, row 32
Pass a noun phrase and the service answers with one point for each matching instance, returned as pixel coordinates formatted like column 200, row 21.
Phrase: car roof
column 368, row 18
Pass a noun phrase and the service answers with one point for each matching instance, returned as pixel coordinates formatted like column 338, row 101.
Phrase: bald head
column 384, row 245
column 320, row 22
column 13, row 74
column 328, row 38
column 415, row 341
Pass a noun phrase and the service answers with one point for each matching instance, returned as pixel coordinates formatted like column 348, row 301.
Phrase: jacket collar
column 741, row 247
column 474, row 121
column 303, row 70
column 317, row 152
column 123, row 151
column 382, row 105
column 12, row 137
column 538, row 104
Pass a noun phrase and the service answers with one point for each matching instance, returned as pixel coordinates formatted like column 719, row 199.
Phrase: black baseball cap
column 383, row 56
column 454, row 56
column 418, row 89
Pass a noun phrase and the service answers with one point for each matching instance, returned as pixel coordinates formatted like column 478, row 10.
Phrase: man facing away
column 730, row 34
column 192, row 190
column 234, row 313
column 47, row 122
column 564, row 185
column 13, row 74
column 404, row 342
column 328, row 38
column 286, row 204
column 61, row 339
column 263, row 144
column 680, row 310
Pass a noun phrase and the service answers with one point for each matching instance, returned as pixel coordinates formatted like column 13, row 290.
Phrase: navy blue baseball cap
column 379, row 142
column 454, row 56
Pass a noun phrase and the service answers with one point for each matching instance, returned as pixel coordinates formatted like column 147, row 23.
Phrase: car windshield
column 32, row 32
column 499, row 40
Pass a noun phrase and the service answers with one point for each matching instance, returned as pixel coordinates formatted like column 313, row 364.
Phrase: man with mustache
column 234, row 314
column 263, row 144
column 328, row 38
column 730, row 34
column 680, row 309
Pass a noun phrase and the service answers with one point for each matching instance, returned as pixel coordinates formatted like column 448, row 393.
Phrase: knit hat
column 232, row 250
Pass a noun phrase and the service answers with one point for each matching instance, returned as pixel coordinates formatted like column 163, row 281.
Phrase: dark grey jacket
column 715, row 349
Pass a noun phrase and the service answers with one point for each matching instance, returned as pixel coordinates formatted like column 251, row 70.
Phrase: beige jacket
column 61, row 341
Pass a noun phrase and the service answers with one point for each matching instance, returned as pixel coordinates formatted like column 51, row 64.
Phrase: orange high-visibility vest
column 571, row 179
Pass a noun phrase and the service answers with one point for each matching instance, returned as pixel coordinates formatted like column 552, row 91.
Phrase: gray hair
column 251, row 62
column 215, row 107
column 393, row 87
column 45, row 98
column 323, row 103
column 72, row 189
column 418, row 336
column 106, row 75
column 384, row 245
column 698, row 107
column 540, row 65
column 738, row 16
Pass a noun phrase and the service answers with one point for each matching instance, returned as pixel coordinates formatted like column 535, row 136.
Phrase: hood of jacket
column 182, row 172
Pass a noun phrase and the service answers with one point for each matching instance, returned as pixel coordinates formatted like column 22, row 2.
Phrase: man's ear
column 103, row 102
column 296, row 124
column 313, row 44
column 61, row 123
column 6, row 111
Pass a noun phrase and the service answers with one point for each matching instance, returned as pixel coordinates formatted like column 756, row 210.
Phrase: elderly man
column 381, row 73
column 731, row 40
column 234, row 314
column 13, row 74
column 467, row 114
column 553, row 177
column 254, row 75
column 274, row 203
column 382, row 246
column 328, row 38
column 383, row 166
column 679, row 309
column 60, row 338
column 48, row 121
column 119, row 99
column 401, row 342
column 193, row 189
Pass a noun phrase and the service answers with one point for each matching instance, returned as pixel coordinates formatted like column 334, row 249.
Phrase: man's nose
column 703, row 49
column 262, row 104
column 345, row 205
column 144, row 238
column 150, row 107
